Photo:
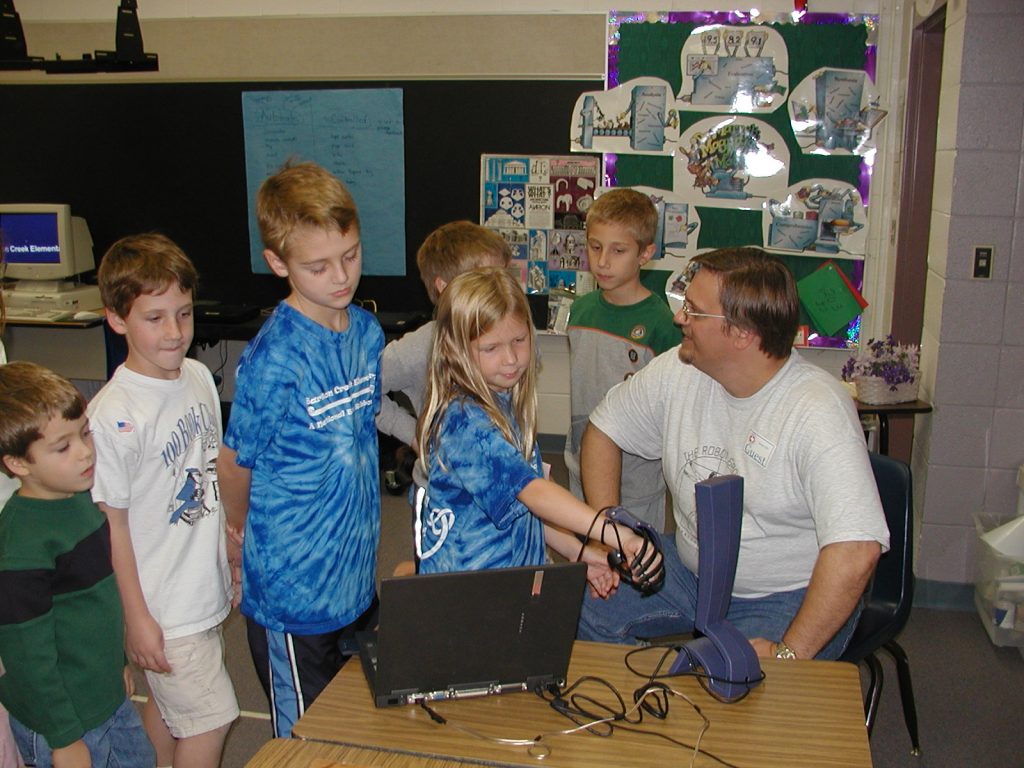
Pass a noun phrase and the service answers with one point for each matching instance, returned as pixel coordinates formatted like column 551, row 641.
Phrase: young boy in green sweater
column 61, row 624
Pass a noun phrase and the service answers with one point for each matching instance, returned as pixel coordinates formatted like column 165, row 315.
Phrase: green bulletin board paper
column 725, row 228
column 356, row 134
column 654, row 49
column 827, row 298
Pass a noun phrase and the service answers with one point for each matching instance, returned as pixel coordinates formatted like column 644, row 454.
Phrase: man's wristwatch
column 783, row 651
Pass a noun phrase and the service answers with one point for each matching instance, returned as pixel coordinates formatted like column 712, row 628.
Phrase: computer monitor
column 44, row 242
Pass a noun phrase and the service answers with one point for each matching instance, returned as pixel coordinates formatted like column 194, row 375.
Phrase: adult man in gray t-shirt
column 734, row 398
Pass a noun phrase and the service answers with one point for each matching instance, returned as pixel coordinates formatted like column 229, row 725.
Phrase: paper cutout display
column 833, row 111
column 734, row 69
column 637, row 117
column 678, row 223
column 819, row 215
column 830, row 300
column 727, row 160
column 738, row 66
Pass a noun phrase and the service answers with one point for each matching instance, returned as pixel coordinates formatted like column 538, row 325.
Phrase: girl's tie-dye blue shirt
column 469, row 517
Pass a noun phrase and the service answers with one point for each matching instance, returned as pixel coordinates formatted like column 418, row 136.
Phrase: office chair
column 889, row 596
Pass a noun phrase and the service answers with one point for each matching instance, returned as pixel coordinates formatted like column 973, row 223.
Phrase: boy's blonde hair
column 140, row 264
column 31, row 395
column 468, row 308
column 302, row 194
column 458, row 247
column 628, row 208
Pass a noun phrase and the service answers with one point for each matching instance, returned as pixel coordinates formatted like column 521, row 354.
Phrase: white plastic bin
column 999, row 589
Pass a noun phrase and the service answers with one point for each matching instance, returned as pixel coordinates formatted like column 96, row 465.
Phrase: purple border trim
column 618, row 18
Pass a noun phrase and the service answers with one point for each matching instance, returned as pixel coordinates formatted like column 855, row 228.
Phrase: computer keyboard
column 37, row 314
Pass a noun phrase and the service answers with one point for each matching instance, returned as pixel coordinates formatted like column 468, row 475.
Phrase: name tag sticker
column 759, row 448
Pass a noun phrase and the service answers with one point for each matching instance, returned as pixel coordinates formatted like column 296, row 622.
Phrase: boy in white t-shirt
column 157, row 429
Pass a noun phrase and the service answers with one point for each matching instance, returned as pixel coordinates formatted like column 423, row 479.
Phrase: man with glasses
column 734, row 398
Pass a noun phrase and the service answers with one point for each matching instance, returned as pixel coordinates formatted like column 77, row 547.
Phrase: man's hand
column 602, row 580
column 144, row 643
column 74, row 755
column 765, row 649
column 840, row 574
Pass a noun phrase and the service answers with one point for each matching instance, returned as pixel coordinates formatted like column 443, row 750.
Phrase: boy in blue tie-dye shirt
column 298, row 469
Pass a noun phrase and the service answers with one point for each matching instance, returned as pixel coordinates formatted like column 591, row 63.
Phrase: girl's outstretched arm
column 603, row 579
column 556, row 506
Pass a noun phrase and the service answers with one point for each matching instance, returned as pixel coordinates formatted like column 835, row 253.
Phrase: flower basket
column 873, row 390
column 884, row 371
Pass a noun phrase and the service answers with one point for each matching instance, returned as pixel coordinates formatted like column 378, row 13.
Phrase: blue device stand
column 725, row 655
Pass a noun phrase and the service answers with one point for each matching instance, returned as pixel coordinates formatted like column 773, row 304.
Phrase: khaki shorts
column 197, row 697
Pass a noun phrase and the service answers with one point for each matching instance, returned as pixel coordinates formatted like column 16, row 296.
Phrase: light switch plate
column 983, row 255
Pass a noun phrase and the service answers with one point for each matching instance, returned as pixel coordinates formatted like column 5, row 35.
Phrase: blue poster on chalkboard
column 358, row 135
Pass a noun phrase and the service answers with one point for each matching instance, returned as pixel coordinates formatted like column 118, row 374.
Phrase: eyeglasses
column 688, row 312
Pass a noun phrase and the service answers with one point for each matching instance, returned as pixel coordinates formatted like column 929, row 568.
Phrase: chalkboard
column 170, row 157
column 356, row 134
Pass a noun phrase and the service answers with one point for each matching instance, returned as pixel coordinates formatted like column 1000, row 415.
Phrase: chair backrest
column 891, row 593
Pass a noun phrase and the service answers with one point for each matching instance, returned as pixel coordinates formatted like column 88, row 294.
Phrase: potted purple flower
column 884, row 371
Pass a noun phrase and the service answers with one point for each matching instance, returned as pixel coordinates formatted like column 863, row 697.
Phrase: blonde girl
column 484, row 502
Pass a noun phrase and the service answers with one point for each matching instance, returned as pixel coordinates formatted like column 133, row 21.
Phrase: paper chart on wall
column 356, row 134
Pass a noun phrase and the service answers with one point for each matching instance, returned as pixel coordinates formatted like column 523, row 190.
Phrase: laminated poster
column 730, row 162
column 817, row 215
column 833, row 111
column 539, row 205
column 638, row 118
column 734, row 69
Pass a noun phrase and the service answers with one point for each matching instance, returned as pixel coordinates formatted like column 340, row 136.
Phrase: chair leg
column 906, row 693
column 874, row 691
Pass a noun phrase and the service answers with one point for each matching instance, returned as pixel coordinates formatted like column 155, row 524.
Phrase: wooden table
column 805, row 714
column 883, row 412
column 296, row 753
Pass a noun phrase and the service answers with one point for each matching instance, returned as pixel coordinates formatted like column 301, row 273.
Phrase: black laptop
column 472, row 633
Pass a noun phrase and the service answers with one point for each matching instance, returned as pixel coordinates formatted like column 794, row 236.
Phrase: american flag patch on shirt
column 125, row 426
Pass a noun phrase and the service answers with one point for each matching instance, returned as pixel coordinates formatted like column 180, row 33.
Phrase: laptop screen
column 474, row 633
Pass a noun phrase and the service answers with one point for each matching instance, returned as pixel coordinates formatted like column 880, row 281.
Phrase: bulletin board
column 810, row 120
column 356, row 134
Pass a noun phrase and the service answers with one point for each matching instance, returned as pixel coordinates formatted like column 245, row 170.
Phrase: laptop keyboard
column 37, row 314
